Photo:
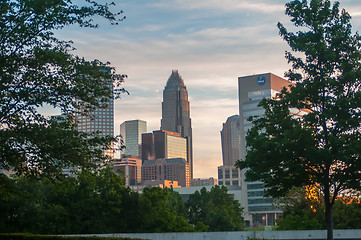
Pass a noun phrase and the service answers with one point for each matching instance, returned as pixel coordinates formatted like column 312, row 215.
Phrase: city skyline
column 211, row 43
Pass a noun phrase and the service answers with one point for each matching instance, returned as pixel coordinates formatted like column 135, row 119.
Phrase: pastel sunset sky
column 210, row 42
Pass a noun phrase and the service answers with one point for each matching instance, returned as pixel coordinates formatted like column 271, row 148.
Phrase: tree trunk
column 329, row 220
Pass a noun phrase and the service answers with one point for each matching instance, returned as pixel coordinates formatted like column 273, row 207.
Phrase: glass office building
column 131, row 133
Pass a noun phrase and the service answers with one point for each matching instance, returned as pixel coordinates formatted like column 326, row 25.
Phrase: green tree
column 94, row 202
column 299, row 211
column 215, row 210
column 321, row 144
column 159, row 215
column 36, row 70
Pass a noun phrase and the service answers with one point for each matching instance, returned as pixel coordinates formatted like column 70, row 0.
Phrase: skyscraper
column 163, row 144
column 101, row 119
column 176, row 112
column 252, row 89
column 230, row 141
column 228, row 174
column 131, row 132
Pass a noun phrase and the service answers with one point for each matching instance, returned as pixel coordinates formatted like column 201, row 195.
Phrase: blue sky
column 210, row 42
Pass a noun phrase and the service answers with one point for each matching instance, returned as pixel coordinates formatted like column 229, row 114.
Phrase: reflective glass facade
column 131, row 132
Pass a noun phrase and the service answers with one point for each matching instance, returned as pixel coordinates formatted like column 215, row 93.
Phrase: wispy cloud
column 210, row 42
column 225, row 5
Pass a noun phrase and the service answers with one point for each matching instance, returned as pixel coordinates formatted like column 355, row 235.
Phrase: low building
column 130, row 168
column 173, row 169
column 204, row 181
column 161, row 183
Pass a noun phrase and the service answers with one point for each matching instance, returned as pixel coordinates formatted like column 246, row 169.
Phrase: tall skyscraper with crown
column 176, row 112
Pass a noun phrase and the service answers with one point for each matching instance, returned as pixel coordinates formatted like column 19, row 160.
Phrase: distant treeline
column 98, row 202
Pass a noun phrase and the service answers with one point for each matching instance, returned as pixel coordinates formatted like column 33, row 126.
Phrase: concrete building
column 163, row 144
column 229, row 176
column 203, row 182
column 176, row 112
column 131, row 132
column 129, row 167
column 252, row 89
column 173, row 169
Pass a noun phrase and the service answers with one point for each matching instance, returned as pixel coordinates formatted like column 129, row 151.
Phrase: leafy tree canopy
column 215, row 209
column 311, row 133
column 37, row 69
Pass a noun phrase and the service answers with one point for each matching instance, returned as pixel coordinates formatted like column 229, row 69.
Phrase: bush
column 25, row 236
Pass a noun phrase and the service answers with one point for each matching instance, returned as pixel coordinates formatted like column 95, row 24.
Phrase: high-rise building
column 230, row 140
column 228, row 174
column 176, row 112
column 252, row 89
column 163, row 144
column 100, row 120
column 131, row 132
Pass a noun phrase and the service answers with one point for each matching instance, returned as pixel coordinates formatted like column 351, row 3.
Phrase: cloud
column 145, row 28
column 225, row 5
column 210, row 42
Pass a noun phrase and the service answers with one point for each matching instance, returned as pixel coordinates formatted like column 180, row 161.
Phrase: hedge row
column 25, row 236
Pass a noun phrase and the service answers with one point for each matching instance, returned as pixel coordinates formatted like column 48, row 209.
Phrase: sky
column 210, row 42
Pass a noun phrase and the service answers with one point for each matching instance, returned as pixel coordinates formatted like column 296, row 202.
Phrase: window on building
column 226, row 173
column 220, row 173
column 234, row 173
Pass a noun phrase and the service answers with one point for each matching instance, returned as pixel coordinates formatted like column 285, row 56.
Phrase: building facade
column 101, row 120
column 131, row 133
column 204, row 182
column 228, row 174
column 176, row 112
column 251, row 90
column 163, row 144
column 129, row 167
column 230, row 140
column 173, row 169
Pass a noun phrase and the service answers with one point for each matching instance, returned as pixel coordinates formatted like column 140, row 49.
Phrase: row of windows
column 227, row 173
column 256, row 194
column 255, row 186
column 260, row 208
column 228, row 183
column 260, row 201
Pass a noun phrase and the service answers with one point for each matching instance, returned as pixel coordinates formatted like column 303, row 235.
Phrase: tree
column 94, row 202
column 36, row 70
column 159, row 215
column 216, row 209
column 320, row 145
column 300, row 212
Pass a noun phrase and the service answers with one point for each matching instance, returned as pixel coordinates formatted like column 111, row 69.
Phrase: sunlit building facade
column 172, row 169
column 130, row 168
column 163, row 144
